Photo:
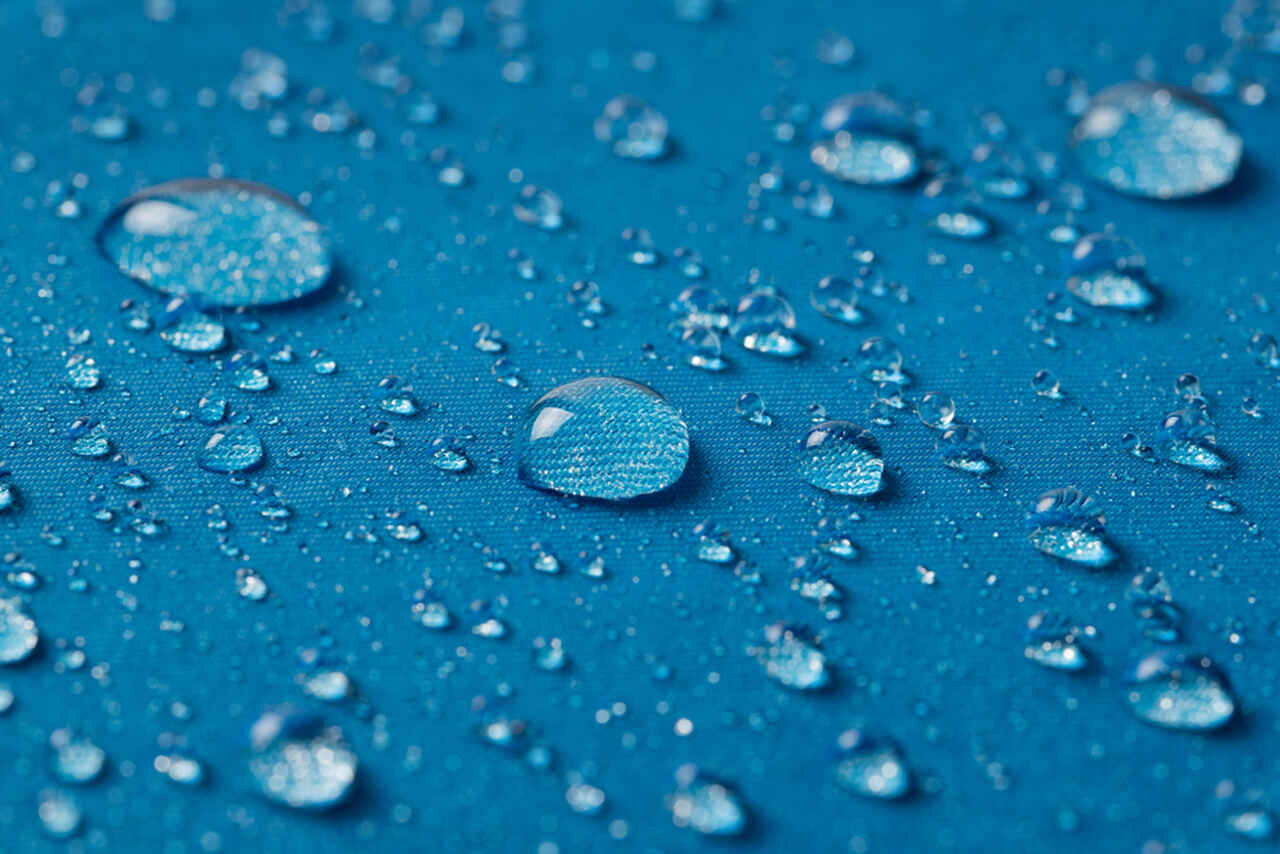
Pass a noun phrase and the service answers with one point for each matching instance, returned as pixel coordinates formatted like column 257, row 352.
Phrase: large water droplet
column 870, row 141
column 1156, row 141
column 1065, row 523
column 790, row 660
column 764, row 322
column 1180, row 691
column 603, row 437
column 841, row 457
column 229, row 243
column 299, row 762
column 232, row 449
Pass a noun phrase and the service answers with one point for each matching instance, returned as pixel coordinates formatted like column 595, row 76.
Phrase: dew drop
column 836, row 298
column 1186, row 437
column 962, row 447
column 1052, row 641
column 18, row 633
column 936, row 409
column 790, row 660
column 603, row 437
column 750, row 407
column 869, row 142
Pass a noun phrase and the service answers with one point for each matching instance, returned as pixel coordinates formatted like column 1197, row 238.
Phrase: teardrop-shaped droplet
column 841, row 457
column 299, row 762
column 1157, row 141
column 603, row 437
column 231, row 243
column 1180, row 691
column 1065, row 523
column 231, row 449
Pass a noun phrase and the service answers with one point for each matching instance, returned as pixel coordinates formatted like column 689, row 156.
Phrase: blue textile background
column 1012, row 757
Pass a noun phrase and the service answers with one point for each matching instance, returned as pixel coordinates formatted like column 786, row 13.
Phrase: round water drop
column 962, row 447
column 632, row 129
column 195, row 333
column 1067, row 524
column 232, row 449
column 880, row 360
column 249, row 371
column 750, row 407
column 1108, row 272
column 18, row 633
column 539, row 208
column 841, row 457
column 447, row 455
column 1046, row 384
column 299, row 762
column 250, row 585
column 871, row 767
column 603, row 437
column 701, row 348
column 764, row 322
column 702, row 306
column 1187, row 387
column 1156, row 141
column 1052, row 641
column 83, row 373
column 183, row 770
column 950, row 209
column 331, row 686
column 59, row 813
column 231, row 243
column 705, row 805
column 936, row 409
column 792, row 661
column 835, row 297
column 1186, row 437
column 870, row 141
column 1180, row 691
column 76, row 759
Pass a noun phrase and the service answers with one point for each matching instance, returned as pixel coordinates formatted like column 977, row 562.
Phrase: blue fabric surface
column 1011, row 757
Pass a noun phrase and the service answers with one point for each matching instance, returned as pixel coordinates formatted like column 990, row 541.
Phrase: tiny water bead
column 871, row 767
column 764, row 322
column 1107, row 271
column 705, row 805
column 1052, row 641
column 234, row 448
column 298, row 761
column 750, row 407
column 1156, row 141
column 880, row 360
column 869, row 141
column 632, row 129
column 792, row 661
column 231, row 243
column 963, row 447
column 1180, row 691
column 835, row 297
column 1186, row 437
column 841, row 457
column 1067, row 524
column 18, row 633
column 936, row 409
column 603, row 437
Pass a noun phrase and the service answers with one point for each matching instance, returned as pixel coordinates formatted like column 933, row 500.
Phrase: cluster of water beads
column 1107, row 271
column 229, row 242
column 871, row 766
column 1156, row 141
column 602, row 437
column 1053, row 641
column 869, row 141
column 632, row 129
column 1067, row 524
column 842, row 458
column 705, row 804
column 1180, row 691
column 299, row 762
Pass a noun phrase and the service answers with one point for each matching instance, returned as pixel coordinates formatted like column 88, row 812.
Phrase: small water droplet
column 1108, row 272
column 632, row 128
column 231, row 449
column 790, row 660
column 750, row 406
column 1065, row 523
column 871, row 767
column 1180, row 691
column 704, row 804
column 1052, row 640
column 835, row 297
column 764, row 322
column 841, row 457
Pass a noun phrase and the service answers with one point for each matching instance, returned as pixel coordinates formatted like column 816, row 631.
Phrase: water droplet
column 60, row 814
column 195, row 333
column 76, row 759
column 331, row 686
column 539, row 208
column 936, row 409
column 299, row 762
column 702, row 306
column 841, row 457
column 834, row 49
column 632, row 128
column 1187, row 387
column 448, row 455
column 701, row 348
column 962, row 447
column 836, row 298
column 89, row 438
column 871, row 767
column 83, row 373
column 869, row 143
column 231, row 449
column 180, row 769
column 1186, row 437
column 231, row 243
column 790, row 660
column 705, row 805
column 1156, row 141
column 764, row 322
column 1052, row 641
column 18, row 633
column 603, row 437
column 250, row 585
column 432, row 614
column 1065, row 523
column 1108, row 272
column 713, row 543
column 750, row 406
column 951, row 209
column 880, row 360
column 1180, row 691
column 1046, row 384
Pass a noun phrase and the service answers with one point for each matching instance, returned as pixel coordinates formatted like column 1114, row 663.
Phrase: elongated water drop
column 603, row 437
column 1180, row 691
